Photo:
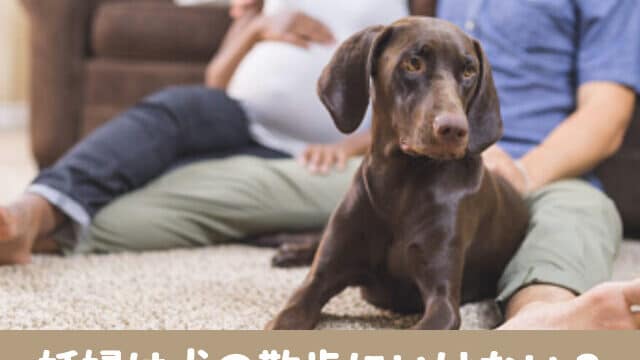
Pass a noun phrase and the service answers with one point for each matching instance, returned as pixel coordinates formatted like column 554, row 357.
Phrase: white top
column 276, row 82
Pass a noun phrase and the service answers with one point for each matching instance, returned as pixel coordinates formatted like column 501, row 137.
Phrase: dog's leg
column 300, row 253
column 438, row 274
column 278, row 240
column 333, row 269
column 342, row 260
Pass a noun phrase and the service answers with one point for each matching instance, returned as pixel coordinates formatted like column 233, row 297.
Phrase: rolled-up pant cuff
column 573, row 237
column 542, row 275
column 68, row 236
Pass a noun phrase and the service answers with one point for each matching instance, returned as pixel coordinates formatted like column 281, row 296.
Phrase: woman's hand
column 295, row 28
column 501, row 163
column 240, row 8
column 322, row 158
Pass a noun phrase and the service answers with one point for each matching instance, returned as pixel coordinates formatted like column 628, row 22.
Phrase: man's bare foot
column 21, row 224
column 605, row 307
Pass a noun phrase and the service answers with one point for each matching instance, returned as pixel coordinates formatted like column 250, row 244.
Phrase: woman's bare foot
column 21, row 224
column 605, row 307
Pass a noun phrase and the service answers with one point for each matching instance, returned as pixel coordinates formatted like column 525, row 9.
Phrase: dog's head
column 431, row 86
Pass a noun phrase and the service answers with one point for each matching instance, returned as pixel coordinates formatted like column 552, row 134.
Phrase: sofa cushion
column 158, row 31
column 114, row 85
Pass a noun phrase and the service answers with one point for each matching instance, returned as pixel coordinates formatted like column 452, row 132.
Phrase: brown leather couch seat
column 156, row 31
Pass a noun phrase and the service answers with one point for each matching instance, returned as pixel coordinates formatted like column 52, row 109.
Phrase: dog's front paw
column 293, row 319
column 445, row 319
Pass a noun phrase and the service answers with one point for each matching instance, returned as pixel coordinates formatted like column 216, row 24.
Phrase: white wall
column 14, row 62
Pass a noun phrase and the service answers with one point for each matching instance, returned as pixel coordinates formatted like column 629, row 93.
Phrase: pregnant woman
column 259, row 101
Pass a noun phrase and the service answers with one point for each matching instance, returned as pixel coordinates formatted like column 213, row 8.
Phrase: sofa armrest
column 59, row 38
column 60, row 31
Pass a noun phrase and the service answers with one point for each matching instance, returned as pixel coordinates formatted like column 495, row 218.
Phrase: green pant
column 573, row 237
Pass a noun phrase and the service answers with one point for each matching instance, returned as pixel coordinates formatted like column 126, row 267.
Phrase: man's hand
column 240, row 8
column 501, row 163
column 295, row 28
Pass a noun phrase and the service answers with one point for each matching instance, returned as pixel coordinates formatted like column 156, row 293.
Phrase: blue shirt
column 541, row 51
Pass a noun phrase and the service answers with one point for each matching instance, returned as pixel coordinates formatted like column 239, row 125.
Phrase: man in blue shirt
column 567, row 73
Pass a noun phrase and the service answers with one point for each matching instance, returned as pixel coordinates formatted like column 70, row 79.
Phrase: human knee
column 127, row 227
column 578, row 203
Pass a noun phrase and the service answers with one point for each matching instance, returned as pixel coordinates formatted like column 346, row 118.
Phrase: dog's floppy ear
column 485, row 121
column 344, row 84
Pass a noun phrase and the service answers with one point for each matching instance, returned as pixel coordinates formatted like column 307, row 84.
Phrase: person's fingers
column 315, row 160
column 295, row 39
column 631, row 292
column 328, row 161
column 318, row 32
column 635, row 314
column 312, row 29
column 342, row 160
column 498, row 168
column 490, row 164
column 324, row 32
column 304, row 157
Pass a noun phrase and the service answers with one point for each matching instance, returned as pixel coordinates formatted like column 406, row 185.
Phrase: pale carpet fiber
column 224, row 287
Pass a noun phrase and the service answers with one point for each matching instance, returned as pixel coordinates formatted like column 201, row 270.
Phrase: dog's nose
column 450, row 128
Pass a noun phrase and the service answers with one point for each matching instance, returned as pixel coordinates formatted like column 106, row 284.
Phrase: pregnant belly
column 276, row 83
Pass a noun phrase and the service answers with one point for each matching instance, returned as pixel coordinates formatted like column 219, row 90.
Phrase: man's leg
column 119, row 157
column 573, row 238
column 217, row 201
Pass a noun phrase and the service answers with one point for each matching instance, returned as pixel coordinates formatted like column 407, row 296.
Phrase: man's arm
column 591, row 134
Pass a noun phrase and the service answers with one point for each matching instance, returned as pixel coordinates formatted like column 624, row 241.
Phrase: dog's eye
column 413, row 64
column 469, row 72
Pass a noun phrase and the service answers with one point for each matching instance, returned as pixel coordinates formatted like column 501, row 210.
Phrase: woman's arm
column 252, row 27
column 240, row 38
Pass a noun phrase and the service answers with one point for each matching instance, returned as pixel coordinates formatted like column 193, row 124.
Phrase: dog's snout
column 450, row 128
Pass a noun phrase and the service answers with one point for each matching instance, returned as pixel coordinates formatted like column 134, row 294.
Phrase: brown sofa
column 94, row 58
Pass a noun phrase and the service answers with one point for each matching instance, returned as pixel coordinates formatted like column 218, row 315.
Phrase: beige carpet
column 225, row 287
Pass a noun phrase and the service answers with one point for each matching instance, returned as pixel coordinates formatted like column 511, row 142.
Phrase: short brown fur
column 424, row 227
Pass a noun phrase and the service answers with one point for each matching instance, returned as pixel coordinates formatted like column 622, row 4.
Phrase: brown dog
column 424, row 226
